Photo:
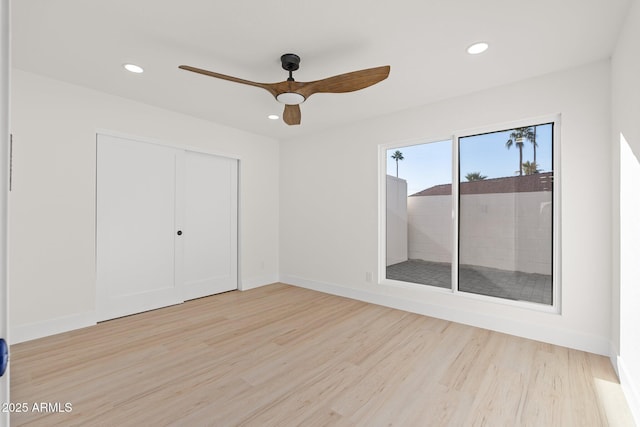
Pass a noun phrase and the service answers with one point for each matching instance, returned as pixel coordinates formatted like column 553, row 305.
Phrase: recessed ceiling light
column 477, row 48
column 133, row 68
column 273, row 117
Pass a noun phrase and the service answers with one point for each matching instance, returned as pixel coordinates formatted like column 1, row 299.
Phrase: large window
column 419, row 225
column 474, row 214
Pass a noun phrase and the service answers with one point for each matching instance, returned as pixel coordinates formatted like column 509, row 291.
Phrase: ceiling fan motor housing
column 290, row 61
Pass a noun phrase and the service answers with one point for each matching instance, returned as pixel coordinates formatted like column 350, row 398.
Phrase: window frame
column 556, row 306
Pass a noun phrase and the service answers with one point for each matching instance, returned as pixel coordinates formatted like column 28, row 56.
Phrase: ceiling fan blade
column 348, row 82
column 291, row 115
column 267, row 86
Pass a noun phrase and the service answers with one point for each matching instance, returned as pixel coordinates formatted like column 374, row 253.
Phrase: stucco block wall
column 430, row 228
column 509, row 231
column 397, row 246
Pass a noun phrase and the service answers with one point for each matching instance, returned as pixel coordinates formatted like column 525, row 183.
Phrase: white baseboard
column 613, row 358
column 630, row 391
column 35, row 330
column 548, row 334
column 256, row 282
column 32, row 331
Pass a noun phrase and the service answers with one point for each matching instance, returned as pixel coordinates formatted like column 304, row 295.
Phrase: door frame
column 5, row 138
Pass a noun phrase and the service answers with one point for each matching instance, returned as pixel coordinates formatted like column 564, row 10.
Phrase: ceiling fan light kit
column 290, row 98
column 292, row 93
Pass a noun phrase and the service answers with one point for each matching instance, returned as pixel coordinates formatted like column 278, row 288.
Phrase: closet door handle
column 179, row 232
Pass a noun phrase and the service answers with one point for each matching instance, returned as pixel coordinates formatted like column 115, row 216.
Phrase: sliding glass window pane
column 506, row 214
column 419, row 223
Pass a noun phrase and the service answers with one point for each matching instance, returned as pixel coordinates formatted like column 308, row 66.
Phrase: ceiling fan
column 292, row 93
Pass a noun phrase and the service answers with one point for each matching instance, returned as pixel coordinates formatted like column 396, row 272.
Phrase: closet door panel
column 210, row 225
column 136, row 190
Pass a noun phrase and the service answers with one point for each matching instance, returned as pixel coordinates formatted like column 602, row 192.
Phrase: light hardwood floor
column 285, row 356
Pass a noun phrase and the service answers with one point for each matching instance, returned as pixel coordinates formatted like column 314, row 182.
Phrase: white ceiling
column 85, row 42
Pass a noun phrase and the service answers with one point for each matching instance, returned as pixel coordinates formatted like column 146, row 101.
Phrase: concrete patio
column 514, row 285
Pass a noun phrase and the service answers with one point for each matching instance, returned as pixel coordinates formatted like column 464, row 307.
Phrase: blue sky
column 426, row 165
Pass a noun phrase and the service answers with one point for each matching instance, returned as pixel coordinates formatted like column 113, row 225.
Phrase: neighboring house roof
column 509, row 184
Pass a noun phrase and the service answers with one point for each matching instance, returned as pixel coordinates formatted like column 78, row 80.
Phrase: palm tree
column 397, row 156
column 475, row 176
column 530, row 168
column 517, row 137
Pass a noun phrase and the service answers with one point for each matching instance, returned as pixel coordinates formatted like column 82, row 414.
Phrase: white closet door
column 136, row 230
column 210, row 231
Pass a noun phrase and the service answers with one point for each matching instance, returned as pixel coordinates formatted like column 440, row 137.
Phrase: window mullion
column 455, row 205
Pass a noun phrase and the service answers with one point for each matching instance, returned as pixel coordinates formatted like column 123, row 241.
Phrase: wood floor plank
column 286, row 356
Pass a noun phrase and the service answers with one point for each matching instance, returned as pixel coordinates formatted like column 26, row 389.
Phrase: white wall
column 332, row 250
column 397, row 246
column 52, row 205
column 626, row 206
